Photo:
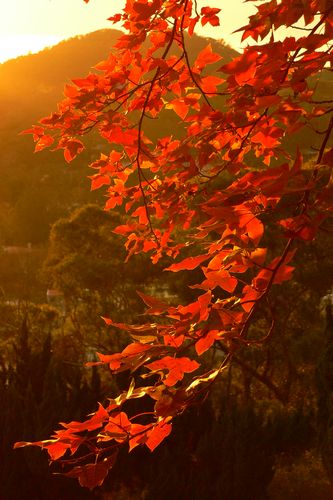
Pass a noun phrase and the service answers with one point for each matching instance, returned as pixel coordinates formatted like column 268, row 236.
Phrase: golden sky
column 30, row 25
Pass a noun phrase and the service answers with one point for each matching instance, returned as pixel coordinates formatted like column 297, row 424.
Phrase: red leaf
column 57, row 449
column 123, row 137
column 170, row 402
column 328, row 158
column 302, row 227
column 115, row 19
column 180, row 107
column 254, row 227
column 36, row 131
column 209, row 16
column 204, row 301
column 71, row 91
column 72, row 148
column 175, row 366
column 267, row 101
column 44, row 142
column 243, row 68
column 118, row 427
column 155, row 305
column 268, row 137
column 98, row 180
column 206, row 341
column 209, row 83
column 158, row 434
column 206, row 56
column 92, row 475
column 95, row 422
column 250, row 295
column 220, row 278
column 124, row 229
column 192, row 24
column 138, row 435
column 189, row 263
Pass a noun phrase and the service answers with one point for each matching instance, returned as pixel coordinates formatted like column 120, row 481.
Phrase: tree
column 324, row 382
column 235, row 171
column 85, row 262
column 38, row 388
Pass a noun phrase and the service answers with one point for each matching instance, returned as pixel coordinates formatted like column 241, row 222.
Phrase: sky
column 31, row 25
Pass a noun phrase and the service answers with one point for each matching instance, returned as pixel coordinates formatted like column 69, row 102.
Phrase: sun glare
column 14, row 45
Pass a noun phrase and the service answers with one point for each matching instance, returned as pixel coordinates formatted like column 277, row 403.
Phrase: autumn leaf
column 92, row 475
column 328, row 158
column 206, row 56
column 98, row 181
column 242, row 68
column 206, row 341
column 57, row 450
column 250, row 296
column 221, row 278
column 187, row 264
column 138, row 435
column 94, row 422
column 44, row 142
column 210, row 83
column 209, row 15
column 175, row 368
column 170, row 402
column 71, row 91
column 158, row 434
column 72, row 148
column 156, row 306
column 117, row 428
column 203, row 379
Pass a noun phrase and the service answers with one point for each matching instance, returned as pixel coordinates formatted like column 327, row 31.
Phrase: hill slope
column 37, row 189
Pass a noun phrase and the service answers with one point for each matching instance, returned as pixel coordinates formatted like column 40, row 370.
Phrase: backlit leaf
column 158, row 434
column 189, row 263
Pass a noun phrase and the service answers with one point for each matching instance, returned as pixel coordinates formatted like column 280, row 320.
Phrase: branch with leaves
column 216, row 185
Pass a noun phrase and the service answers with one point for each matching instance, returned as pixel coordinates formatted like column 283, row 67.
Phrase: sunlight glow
column 14, row 45
column 31, row 26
